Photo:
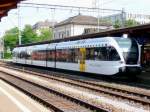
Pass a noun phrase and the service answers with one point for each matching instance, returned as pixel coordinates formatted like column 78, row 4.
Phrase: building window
column 59, row 34
column 62, row 35
column 67, row 33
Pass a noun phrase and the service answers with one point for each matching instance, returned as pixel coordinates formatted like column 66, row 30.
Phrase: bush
column 7, row 55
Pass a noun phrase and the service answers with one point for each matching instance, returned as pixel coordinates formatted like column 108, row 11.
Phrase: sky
column 33, row 15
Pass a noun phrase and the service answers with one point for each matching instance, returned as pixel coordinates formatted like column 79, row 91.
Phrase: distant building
column 76, row 25
column 115, row 17
column 43, row 25
column 142, row 19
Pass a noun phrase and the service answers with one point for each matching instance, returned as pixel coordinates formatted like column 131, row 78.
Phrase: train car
column 105, row 56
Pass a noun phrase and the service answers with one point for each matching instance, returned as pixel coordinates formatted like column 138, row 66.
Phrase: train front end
column 131, row 55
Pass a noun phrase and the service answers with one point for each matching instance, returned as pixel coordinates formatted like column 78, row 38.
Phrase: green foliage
column 117, row 24
column 127, row 23
column 131, row 22
column 11, row 38
column 7, row 55
column 28, row 35
column 45, row 34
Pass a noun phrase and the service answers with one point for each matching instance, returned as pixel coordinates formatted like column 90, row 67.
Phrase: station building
column 76, row 25
column 43, row 25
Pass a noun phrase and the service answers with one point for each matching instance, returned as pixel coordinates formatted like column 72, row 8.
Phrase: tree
column 127, row 23
column 117, row 24
column 28, row 35
column 131, row 22
column 11, row 38
column 45, row 34
column 10, row 41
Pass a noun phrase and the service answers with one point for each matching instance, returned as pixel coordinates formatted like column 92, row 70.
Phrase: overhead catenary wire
column 62, row 7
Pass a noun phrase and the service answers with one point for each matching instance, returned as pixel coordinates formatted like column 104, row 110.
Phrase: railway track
column 132, row 96
column 55, row 100
column 139, row 97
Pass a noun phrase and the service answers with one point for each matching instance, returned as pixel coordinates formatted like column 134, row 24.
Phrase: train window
column 113, row 54
column 97, row 53
column 50, row 55
column 102, row 53
column 67, row 55
column 39, row 55
column 129, row 49
column 22, row 54
column 90, row 53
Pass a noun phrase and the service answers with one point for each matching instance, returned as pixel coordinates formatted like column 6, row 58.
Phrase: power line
column 62, row 7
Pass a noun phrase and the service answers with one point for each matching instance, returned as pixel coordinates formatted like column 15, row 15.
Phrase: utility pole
column 19, row 25
column 96, row 5
column 53, row 21
column 123, row 17
column 2, row 47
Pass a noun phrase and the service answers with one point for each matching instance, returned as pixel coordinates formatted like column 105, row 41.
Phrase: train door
column 82, row 59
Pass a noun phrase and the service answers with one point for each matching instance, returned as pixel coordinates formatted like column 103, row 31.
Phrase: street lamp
column 19, row 23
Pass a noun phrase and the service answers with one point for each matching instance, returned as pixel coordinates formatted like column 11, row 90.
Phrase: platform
column 12, row 100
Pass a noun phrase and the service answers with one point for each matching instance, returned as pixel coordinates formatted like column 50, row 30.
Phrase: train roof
column 97, row 42
column 72, row 38
column 83, row 43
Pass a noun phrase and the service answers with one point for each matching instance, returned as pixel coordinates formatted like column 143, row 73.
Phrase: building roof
column 6, row 5
column 43, row 23
column 82, row 20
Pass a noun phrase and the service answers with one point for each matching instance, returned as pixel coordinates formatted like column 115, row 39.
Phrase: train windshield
column 129, row 49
